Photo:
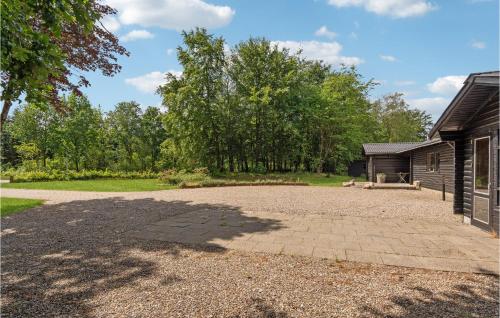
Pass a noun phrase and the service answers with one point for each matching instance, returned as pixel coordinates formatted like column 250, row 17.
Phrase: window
column 433, row 161
column 482, row 165
column 429, row 161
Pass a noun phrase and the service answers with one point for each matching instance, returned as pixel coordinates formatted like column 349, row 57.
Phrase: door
column 481, row 215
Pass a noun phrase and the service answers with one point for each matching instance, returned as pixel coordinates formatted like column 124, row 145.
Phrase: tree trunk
column 5, row 112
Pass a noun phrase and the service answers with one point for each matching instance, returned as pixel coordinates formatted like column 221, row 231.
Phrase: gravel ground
column 403, row 204
column 71, row 259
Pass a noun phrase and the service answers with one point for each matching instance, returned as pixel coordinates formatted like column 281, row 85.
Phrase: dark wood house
column 462, row 152
column 470, row 122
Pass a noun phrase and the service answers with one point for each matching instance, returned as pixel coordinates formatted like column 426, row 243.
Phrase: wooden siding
column 484, row 123
column 390, row 165
column 458, row 196
column 434, row 179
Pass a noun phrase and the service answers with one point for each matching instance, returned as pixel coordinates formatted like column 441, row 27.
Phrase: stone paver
column 412, row 243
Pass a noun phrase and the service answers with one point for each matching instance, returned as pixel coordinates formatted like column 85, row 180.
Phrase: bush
column 260, row 169
column 202, row 170
column 175, row 177
column 65, row 175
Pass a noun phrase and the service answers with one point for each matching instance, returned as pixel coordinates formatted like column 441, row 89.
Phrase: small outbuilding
column 389, row 159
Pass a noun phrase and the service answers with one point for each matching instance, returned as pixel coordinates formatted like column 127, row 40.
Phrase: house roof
column 423, row 144
column 478, row 89
column 388, row 148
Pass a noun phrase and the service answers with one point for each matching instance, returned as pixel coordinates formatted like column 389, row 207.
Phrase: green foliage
column 54, row 175
column 44, row 42
column 256, row 108
column 397, row 122
column 174, row 177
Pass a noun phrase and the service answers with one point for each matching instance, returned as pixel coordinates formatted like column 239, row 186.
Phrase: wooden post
column 444, row 190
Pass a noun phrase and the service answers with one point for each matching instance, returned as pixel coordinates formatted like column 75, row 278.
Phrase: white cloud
column 353, row 35
column 393, row 8
column 388, row 58
column 137, row 35
column 149, row 83
column 478, row 45
column 433, row 105
column 328, row 52
column 323, row 31
column 170, row 51
column 111, row 23
column 172, row 14
column 404, row 83
column 447, row 85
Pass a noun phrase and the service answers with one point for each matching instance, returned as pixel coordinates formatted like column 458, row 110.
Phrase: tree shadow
column 462, row 301
column 258, row 308
column 58, row 257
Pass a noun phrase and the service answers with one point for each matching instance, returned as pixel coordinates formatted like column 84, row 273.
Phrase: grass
column 317, row 179
column 131, row 185
column 13, row 205
column 99, row 185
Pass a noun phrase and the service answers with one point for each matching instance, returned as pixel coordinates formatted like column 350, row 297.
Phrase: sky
column 421, row 48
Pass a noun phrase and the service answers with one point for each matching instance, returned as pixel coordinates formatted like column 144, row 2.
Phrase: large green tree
column 125, row 133
column 398, row 122
column 43, row 43
column 79, row 131
column 153, row 134
column 194, row 101
column 341, row 117
column 38, row 127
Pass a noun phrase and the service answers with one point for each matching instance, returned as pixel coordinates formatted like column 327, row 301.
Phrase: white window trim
column 474, row 180
column 474, row 167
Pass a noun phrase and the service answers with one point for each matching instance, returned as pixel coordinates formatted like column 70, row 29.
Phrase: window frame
column 474, row 166
column 428, row 161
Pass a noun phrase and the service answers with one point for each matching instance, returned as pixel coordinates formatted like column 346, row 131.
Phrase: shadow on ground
column 55, row 258
column 462, row 301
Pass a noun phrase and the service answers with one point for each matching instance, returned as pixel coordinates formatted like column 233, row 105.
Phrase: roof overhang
column 478, row 90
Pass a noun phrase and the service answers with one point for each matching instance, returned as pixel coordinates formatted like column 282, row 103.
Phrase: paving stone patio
column 410, row 243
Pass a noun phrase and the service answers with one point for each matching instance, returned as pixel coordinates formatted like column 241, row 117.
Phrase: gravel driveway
column 402, row 204
column 70, row 258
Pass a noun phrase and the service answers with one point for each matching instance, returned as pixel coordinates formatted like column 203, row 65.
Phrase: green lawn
column 13, row 205
column 99, row 185
column 129, row 185
column 317, row 179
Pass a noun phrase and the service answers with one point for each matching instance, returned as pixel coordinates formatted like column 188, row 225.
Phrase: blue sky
column 422, row 48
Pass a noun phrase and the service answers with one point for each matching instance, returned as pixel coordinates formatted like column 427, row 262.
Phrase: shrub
column 64, row 175
column 202, row 170
column 174, row 177
column 259, row 168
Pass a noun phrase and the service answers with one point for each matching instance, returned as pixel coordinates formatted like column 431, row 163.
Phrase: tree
column 36, row 126
column 44, row 42
column 8, row 143
column 125, row 131
column 153, row 134
column 340, row 118
column 194, row 101
column 78, row 130
column 398, row 122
